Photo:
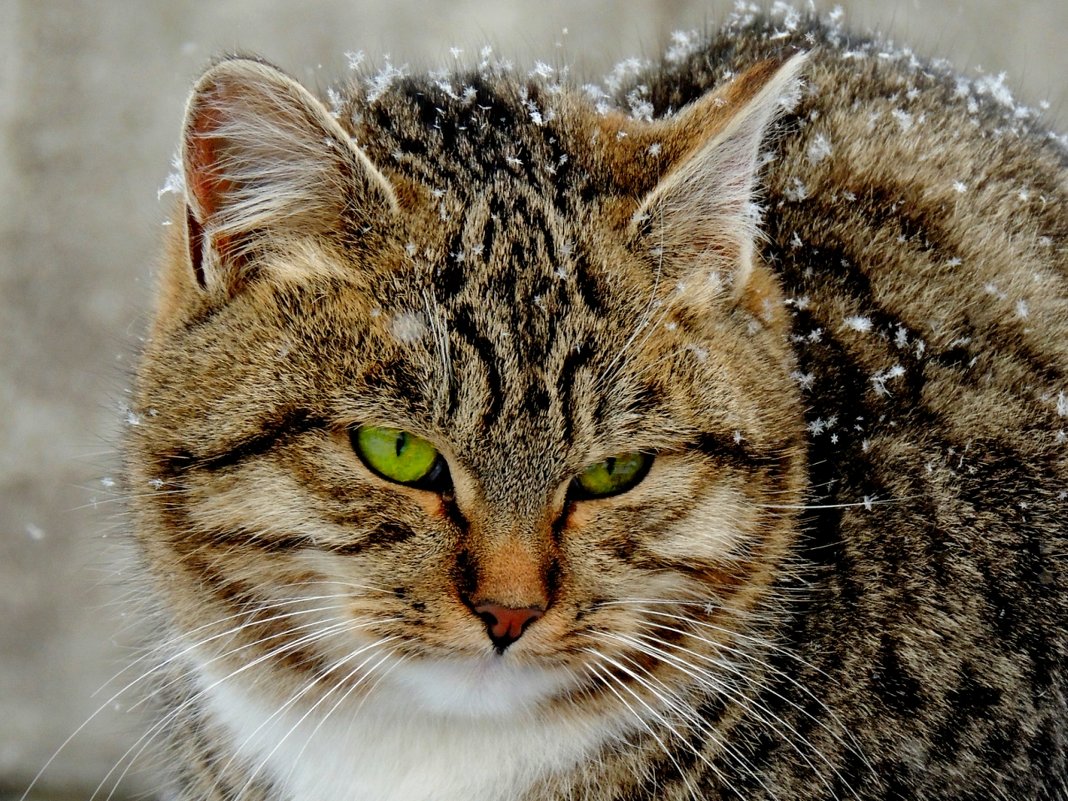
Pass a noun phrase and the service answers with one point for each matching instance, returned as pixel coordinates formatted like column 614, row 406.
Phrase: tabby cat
column 704, row 438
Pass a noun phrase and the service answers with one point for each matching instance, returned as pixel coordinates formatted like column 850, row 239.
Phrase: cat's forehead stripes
column 463, row 141
column 518, row 296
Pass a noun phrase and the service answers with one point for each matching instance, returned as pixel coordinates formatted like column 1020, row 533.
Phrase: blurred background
column 91, row 99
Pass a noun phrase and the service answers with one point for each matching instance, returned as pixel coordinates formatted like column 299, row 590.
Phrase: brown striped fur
column 843, row 576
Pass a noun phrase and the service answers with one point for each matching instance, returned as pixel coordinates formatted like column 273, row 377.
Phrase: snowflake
column 818, row 149
column 880, row 378
column 623, row 71
column 858, row 323
column 175, row 181
column 819, row 425
column 994, row 86
column 380, row 83
column 640, row 107
column 699, row 352
column 796, row 191
column 904, row 119
column 683, row 45
column 541, row 70
column 535, row 113
column 409, row 327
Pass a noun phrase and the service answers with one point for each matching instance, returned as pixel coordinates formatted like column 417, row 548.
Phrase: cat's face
column 489, row 435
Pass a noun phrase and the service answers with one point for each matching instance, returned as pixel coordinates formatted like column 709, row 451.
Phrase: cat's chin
column 475, row 687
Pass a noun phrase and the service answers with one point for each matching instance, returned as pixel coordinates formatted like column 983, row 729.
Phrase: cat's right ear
column 263, row 161
column 690, row 181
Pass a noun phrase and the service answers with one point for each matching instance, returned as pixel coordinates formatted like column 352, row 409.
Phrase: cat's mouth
column 476, row 687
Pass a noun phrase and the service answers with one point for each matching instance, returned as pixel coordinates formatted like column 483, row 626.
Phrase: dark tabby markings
column 463, row 326
column 450, row 275
column 969, row 701
column 535, row 400
column 588, row 286
column 465, row 575
column 195, row 236
column 489, row 232
column 920, row 231
column 732, row 451
column 552, row 579
column 382, row 536
column 899, row 688
column 575, row 360
column 288, row 424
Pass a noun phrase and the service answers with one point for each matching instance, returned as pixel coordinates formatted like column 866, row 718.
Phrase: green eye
column 614, row 475
column 400, row 456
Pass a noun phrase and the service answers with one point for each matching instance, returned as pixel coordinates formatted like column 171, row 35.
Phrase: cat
column 497, row 443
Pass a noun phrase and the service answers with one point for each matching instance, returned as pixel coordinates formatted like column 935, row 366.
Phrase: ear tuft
column 263, row 157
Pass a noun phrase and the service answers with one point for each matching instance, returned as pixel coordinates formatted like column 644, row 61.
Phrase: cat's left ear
column 695, row 177
column 701, row 215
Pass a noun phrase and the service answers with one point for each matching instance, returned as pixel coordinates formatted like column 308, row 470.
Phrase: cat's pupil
column 400, row 456
column 612, row 475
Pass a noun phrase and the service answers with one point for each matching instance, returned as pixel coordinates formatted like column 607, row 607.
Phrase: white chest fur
column 430, row 733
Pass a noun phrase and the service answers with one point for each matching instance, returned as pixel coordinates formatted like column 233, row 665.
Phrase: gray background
column 91, row 98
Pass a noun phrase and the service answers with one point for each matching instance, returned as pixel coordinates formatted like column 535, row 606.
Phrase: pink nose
column 504, row 624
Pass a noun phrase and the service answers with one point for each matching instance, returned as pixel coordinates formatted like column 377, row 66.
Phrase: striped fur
column 843, row 575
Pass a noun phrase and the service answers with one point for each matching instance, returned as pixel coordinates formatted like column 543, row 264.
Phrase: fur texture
column 842, row 576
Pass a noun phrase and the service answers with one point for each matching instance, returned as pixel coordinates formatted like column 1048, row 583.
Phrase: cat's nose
column 506, row 625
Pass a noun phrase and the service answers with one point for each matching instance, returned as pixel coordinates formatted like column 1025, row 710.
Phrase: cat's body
column 842, row 575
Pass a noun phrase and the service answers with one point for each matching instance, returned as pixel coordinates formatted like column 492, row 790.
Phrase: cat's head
column 468, row 382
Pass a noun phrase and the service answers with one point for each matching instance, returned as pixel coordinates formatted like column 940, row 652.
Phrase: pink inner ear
column 208, row 191
column 202, row 163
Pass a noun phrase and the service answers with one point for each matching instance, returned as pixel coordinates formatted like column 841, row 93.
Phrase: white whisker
column 607, row 680
column 139, row 746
